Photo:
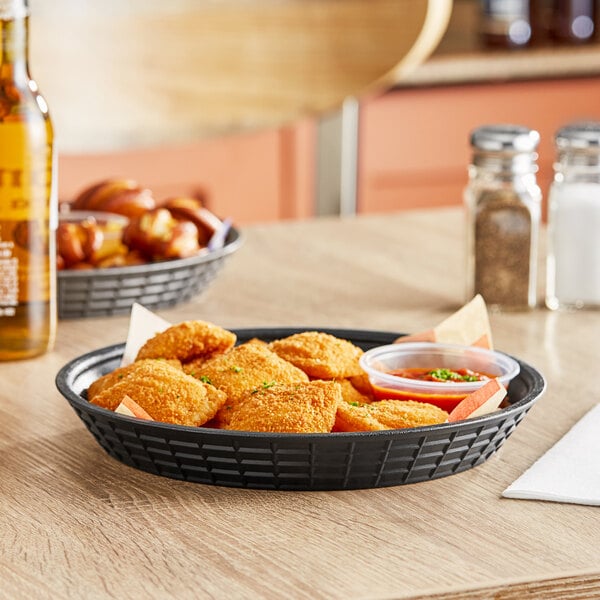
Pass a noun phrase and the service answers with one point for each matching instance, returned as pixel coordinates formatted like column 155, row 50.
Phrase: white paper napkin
column 143, row 324
column 569, row 471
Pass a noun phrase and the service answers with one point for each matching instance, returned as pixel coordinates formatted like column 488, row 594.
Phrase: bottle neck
column 14, row 40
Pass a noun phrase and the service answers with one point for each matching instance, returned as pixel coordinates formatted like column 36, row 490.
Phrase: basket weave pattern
column 337, row 461
column 102, row 292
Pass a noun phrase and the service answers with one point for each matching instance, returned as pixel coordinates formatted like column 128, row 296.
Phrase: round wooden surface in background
column 145, row 72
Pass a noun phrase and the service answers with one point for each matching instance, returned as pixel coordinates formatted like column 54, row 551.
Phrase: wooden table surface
column 75, row 523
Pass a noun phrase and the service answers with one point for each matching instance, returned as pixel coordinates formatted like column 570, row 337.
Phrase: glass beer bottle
column 28, row 209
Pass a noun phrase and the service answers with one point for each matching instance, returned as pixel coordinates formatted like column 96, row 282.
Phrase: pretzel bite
column 297, row 408
column 387, row 414
column 108, row 380
column 188, row 341
column 158, row 235
column 320, row 355
column 122, row 196
column 243, row 369
column 69, row 244
column 192, row 209
column 125, row 259
column 166, row 393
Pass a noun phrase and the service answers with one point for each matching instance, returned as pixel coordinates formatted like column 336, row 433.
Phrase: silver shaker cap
column 580, row 135
column 505, row 138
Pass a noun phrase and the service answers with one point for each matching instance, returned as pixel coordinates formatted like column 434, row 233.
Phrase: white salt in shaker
column 573, row 262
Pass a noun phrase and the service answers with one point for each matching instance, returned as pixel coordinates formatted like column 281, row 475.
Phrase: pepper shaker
column 573, row 261
column 503, row 206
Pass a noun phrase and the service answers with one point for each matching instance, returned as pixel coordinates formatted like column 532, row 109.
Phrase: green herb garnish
column 449, row 375
column 265, row 386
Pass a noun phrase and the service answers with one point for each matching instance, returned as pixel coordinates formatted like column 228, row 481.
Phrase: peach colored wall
column 256, row 177
column 414, row 146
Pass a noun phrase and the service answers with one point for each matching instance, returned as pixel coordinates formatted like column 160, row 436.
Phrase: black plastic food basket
column 335, row 461
column 103, row 292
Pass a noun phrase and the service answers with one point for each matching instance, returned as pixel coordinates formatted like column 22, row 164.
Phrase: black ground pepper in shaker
column 503, row 215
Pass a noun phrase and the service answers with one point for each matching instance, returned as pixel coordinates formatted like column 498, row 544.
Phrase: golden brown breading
column 351, row 395
column 108, row 380
column 188, row 341
column 387, row 414
column 354, row 417
column 320, row 355
column 193, row 367
column 243, row 369
column 257, row 341
column 166, row 393
column 408, row 413
column 362, row 384
column 297, row 408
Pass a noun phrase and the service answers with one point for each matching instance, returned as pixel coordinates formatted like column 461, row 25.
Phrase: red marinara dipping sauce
column 446, row 400
column 441, row 375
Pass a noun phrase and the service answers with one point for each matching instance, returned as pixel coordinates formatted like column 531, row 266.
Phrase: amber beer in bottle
column 28, row 210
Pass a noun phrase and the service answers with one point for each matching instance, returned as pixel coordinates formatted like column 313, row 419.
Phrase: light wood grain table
column 74, row 523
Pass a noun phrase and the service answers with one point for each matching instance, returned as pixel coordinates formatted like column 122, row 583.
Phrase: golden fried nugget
column 243, row 369
column 387, row 414
column 193, row 367
column 351, row 395
column 362, row 384
column 297, row 408
column 166, row 393
column 257, row 341
column 320, row 355
column 188, row 341
column 108, row 380
column 354, row 417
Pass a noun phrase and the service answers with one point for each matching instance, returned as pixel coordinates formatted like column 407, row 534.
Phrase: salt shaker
column 573, row 259
column 503, row 205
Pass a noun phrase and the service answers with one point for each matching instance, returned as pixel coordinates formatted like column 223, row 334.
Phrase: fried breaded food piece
column 166, row 393
column 245, row 368
column 320, row 355
column 353, row 416
column 387, row 414
column 362, row 384
column 194, row 367
column 351, row 395
column 298, row 408
column 257, row 341
column 108, row 380
column 188, row 341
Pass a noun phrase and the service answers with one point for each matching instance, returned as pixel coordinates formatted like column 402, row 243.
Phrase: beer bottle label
column 9, row 279
column 25, row 215
column 25, row 173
